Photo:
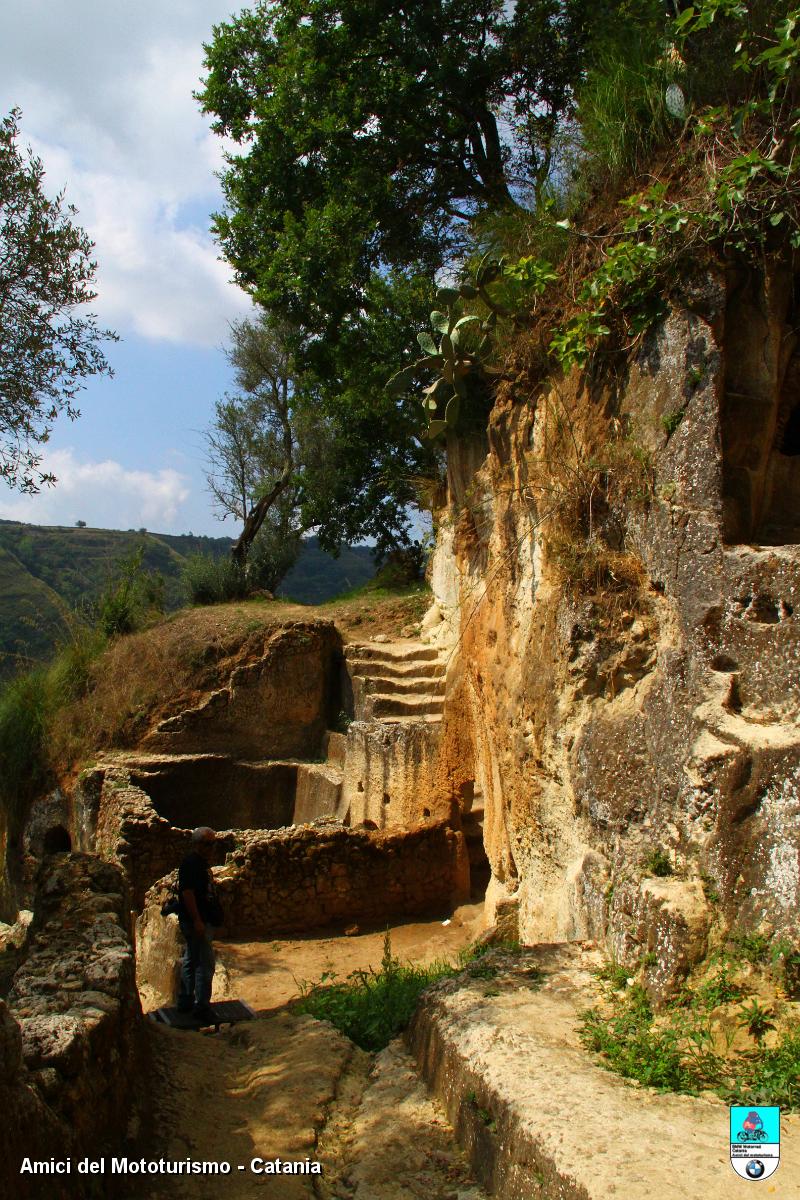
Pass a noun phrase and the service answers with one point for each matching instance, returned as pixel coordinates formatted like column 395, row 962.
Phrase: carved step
column 402, row 687
column 392, row 652
column 402, row 670
column 429, row 719
column 388, row 706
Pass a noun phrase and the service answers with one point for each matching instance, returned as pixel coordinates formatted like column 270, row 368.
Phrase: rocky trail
column 291, row 1087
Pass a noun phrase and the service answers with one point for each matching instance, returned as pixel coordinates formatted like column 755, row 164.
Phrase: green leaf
column 440, row 321
column 447, row 296
column 402, row 380
column 466, row 321
column 452, row 411
column 426, row 343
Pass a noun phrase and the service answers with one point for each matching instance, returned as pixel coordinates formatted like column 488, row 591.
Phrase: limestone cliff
column 617, row 575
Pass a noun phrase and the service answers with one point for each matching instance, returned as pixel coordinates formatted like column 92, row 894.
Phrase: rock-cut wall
column 70, row 1033
column 619, row 569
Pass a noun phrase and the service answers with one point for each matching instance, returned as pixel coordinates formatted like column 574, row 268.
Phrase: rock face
column 276, row 707
column 624, row 693
column 70, row 1036
column 28, row 1125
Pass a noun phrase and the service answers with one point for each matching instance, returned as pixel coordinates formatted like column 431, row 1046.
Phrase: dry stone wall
column 148, row 846
column 310, row 876
column 130, row 831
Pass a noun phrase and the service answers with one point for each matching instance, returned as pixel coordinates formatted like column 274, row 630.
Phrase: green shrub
column 679, row 1052
column 24, row 710
column 213, row 580
column 371, row 1007
column 131, row 597
column 774, row 1077
column 658, row 863
column 27, row 706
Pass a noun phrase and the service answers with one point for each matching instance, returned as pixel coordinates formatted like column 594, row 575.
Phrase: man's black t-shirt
column 194, row 875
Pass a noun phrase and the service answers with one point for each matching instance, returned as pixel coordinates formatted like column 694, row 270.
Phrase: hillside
column 47, row 571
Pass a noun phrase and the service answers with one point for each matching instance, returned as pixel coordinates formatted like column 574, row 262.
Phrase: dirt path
column 269, row 974
column 291, row 1087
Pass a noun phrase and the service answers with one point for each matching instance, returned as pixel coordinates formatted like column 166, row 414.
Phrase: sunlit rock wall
column 637, row 743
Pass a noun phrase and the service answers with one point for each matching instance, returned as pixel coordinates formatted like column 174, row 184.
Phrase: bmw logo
column 755, row 1168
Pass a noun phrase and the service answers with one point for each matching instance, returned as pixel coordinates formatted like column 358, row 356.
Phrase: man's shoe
column 205, row 1014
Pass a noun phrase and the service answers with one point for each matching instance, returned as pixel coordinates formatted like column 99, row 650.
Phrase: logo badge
column 755, row 1140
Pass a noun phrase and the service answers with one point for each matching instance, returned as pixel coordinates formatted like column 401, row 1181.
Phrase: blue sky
column 105, row 88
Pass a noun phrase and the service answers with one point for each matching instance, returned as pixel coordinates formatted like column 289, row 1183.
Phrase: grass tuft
column 209, row 580
column 371, row 1007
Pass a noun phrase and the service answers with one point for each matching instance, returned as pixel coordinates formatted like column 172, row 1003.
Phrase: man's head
column 203, row 840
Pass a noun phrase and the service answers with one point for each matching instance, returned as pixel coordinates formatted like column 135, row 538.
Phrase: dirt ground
column 269, row 974
column 292, row 1087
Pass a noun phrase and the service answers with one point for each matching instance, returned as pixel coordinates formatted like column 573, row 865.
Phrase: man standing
column 198, row 912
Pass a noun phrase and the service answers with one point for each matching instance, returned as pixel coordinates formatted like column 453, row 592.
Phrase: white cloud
column 106, row 93
column 104, row 494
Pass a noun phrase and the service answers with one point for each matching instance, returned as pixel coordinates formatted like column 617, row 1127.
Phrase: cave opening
column 57, row 841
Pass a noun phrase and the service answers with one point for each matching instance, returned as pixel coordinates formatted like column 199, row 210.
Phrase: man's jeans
column 197, row 967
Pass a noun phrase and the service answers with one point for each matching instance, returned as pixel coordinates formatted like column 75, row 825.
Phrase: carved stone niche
column 760, row 417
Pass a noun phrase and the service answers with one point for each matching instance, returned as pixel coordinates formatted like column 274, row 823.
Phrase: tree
column 325, row 448
column 253, row 440
column 46, row 349
column 374, row 452
column 370, row 133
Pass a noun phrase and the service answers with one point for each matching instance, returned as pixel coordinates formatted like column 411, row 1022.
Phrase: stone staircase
column 395, row 682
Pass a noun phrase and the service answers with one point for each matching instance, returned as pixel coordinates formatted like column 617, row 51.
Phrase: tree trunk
column 255, row 518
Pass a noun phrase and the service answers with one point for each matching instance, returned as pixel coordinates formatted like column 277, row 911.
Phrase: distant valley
column 46, row 572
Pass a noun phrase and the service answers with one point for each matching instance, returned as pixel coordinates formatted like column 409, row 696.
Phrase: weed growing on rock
column 713, row 1036
column 658, row 863
column 371, row 1007
column 613, row 973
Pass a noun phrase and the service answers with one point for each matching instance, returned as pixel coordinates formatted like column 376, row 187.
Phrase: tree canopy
column 324, row 447
column 373, row 453
column 371, row 132
column 47, row 349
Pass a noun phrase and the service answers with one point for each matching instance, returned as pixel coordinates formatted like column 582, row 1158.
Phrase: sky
column 105, row 88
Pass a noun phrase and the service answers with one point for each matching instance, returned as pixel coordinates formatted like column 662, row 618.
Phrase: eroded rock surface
column 293, row 1087
column 71, row 1034
column 539, row 1117
column 641, row 720
column 74, row 999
